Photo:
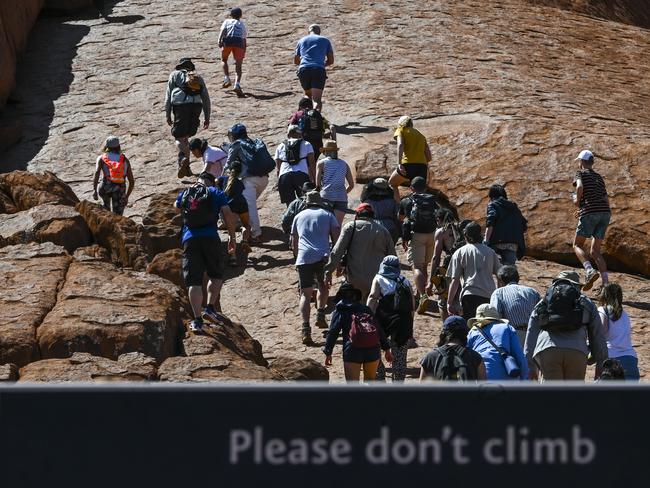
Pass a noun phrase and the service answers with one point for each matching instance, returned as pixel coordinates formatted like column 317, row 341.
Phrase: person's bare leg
column 395, row 181
column 370, row 371
column 578, row 242
column 598, row 257
column 308, row 93
column 316, row 96
column 339, row 216
column 224, row 66
column 420, row 278
column 352, row 371
column 323, row 295
column 305, row 295
column 195, row 294
column 238, row 72
column 214, row 292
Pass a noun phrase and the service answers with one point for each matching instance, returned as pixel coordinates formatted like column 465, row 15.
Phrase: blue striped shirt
column 515, row 303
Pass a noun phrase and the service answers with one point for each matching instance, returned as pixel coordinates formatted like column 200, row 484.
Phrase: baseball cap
column 112, row 142
column 585, row 155
column 455, row 322
column 293, row 128
column 365, row 208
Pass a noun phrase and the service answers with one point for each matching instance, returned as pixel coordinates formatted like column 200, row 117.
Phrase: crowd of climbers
column 502, row 331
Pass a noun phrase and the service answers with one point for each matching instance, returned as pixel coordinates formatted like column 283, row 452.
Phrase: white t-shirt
column 234, row 28
column 214, row 159
column 305, row 150
column 619, row 339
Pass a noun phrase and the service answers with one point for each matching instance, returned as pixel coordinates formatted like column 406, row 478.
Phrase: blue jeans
column 630, row 366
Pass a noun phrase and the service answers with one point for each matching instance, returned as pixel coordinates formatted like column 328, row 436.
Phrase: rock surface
column 127, row 242
column 635, row 12
column 86, row 367
column 300, row 369
column 16, row 20
column 223, row 366
column 107, row 312
column 27, row 190
column 162, row 222
column 59, row 224
column 30, row 277
column 168, row 265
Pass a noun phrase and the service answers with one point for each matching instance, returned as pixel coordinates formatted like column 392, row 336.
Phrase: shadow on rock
column 356, row 128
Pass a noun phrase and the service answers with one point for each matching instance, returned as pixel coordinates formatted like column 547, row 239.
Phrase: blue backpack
column 256, row 157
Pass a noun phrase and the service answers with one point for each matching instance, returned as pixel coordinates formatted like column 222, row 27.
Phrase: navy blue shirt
column 219, row 199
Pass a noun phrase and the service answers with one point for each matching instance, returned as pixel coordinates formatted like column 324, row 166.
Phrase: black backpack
column 423, row 213
column 196, row 207
column 452, row 367
column 562, row 307
column 311, row 124
column 292, row 151
column 402, row 300
column 256, row 157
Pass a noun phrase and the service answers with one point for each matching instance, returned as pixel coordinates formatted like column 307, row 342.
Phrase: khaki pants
column 420, row 250
column 557, row 363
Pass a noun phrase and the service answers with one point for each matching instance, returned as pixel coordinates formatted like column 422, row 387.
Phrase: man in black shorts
column 313, row 53
column 295, row 165
column 200, row 205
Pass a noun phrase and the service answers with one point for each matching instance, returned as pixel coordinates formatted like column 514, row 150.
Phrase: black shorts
column 415, row 169
column 290, row 185
column 308, row 274
column 360, row 355
column 202, row 255
column 316, row 143
column 312, row 77
column 186, row 119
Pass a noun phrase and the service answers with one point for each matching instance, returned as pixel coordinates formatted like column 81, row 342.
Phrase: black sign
column 324, row 436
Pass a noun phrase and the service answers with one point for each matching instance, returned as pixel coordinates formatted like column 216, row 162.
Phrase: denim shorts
column 340, row 206
column 630, row 366
column 593, row 225
column 360, row 355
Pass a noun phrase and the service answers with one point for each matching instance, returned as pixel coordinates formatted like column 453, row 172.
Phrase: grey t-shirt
column 313, row 227
column 475, row 265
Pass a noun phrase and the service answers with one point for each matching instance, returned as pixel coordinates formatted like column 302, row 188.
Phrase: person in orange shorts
column 232, row 39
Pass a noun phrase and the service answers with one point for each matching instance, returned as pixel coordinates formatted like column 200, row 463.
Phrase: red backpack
column 364, row 332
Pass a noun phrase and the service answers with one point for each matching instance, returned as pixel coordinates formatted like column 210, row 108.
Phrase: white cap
column 585, row 155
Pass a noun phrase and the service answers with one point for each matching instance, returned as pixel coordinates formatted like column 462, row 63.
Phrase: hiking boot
column 246, row 247
column 196, row 325
column 592, row 276
column 321, row 322
column 238, row 91
column 423, row 304
column 184, row 168
column 211, row 315
column 306, row 338
column 226, row 83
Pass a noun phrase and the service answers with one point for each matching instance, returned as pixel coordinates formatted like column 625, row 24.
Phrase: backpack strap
column 502, row 352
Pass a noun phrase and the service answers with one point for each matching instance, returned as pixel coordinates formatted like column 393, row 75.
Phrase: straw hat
column 486, row 314
column 329, row 146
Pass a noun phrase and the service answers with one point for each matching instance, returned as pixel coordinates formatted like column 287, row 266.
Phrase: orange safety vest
column 116, row 169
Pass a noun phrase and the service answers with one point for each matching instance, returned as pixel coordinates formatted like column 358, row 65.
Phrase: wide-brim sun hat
column 185, row 63
column 380, row 183
column 329, row 146
column 313, row 198
column 485, row 314
column 570, row 276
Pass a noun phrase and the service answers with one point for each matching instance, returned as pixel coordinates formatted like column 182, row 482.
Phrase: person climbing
column 359, row 250
column 313, row 125
column 232, row 40
column 200, row 205
column 392, row 301
column 513, row 301
column 213, row 157
column 413, row 155
column 418, row 212
column 452, row 360
column 497, row 343
column 115, row 169
column 311, row 233
column 186, row 97
column 618, row 330
column 505, row 226
column 295, row 207
column 358, row 354
column 233, row 187
column 379, row 195
column 474, row 264
column 295, row 165
column 563, row 330
column 448, row 238
column 313, row 53
column 593, row 215
column 331, row 176
column 256, row 164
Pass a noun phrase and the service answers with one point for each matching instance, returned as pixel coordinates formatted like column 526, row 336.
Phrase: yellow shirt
column 414, row 144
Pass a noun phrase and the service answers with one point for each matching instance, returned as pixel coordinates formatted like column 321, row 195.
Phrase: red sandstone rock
column 28, row 190
column 300, row 369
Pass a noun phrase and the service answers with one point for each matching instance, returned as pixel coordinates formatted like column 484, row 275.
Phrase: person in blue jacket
column 348, row 302
column 503, row 335
column 505, row 226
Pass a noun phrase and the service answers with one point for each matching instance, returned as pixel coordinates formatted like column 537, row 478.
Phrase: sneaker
column 196, row 325
column 423, row 304
column 226, row 83
column 592, row 276
column 184, row 168
column 238, row 91
column 306, row 338
column 246, row 247
column 211, row 315
column 321, row 322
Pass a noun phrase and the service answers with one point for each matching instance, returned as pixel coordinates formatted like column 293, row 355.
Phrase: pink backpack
column 363, row 332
